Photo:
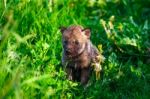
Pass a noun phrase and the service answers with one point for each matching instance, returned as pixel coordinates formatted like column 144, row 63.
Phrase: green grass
column 30, row 48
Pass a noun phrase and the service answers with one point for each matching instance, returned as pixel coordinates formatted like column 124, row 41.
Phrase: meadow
column 31, row 48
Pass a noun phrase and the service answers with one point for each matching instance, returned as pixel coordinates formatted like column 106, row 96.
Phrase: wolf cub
column 79, row 54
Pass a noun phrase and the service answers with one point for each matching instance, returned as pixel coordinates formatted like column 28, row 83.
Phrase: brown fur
column 79, row 54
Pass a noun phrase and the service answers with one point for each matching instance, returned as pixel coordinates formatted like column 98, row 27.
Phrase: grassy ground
column 30, row 48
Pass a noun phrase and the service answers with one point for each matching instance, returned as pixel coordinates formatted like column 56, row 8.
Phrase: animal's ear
column 87, row 32
column 62, row 29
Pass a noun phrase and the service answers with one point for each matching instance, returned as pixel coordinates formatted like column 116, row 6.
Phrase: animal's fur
column 79, row 54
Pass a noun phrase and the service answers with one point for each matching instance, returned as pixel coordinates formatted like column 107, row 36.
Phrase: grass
column 30, row 48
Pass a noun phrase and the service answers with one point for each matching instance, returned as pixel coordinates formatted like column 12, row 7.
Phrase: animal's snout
column 69, row 47
column 68, row 51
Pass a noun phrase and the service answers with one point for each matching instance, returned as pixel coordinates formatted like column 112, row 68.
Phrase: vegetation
column 30, row 48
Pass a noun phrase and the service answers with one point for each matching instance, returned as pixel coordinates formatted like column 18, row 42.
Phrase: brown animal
column 79, row 54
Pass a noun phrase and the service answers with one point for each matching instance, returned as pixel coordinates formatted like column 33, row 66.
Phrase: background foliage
column 30, row 48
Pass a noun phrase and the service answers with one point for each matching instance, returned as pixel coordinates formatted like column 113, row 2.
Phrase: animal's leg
column 69, row 72
column 85, row 73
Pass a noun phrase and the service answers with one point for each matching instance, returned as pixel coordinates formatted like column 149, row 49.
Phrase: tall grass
column 30, row 48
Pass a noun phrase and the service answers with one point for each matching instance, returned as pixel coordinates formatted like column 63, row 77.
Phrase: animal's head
column 74, row 39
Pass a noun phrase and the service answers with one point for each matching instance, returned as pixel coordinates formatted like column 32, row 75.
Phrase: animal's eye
column 76, row 42
column 65, row 42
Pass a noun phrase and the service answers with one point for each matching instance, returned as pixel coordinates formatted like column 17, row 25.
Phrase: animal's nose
column 68, row 47
column 68, row 51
